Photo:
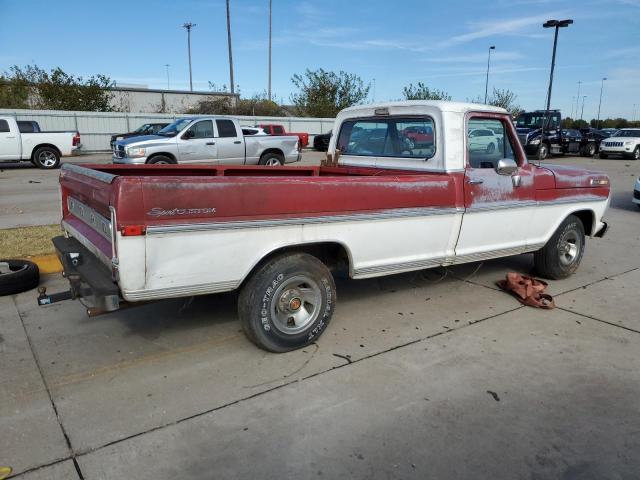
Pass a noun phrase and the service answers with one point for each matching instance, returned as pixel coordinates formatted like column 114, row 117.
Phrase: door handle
column 211, row 143
column 476, row 181
column 237, row 142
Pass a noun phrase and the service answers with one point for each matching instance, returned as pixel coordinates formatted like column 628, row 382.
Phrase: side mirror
column 506, row 166
column 187, row 135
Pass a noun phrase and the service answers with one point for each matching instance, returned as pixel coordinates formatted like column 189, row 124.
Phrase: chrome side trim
column 486, row 207
column 398, row 267
column 86, row 243
column 563, row 201
column 233, row 225
column 92, row 218
column 88, row 172
column 504, row 252
column 184, row 291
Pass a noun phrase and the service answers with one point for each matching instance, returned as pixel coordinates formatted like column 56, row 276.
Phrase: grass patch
column 25, row 241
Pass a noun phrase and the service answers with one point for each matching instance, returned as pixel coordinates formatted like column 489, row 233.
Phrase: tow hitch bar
column 44, row 299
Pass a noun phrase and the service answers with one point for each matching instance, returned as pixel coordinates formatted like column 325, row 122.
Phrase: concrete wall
column 96, row 128
column 144, row 100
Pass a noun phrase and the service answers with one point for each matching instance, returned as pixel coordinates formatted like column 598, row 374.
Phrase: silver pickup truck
column 207, row 140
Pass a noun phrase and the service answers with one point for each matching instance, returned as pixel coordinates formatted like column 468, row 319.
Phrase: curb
column 46, row 263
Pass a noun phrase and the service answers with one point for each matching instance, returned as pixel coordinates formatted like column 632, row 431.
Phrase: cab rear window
column 401, row 137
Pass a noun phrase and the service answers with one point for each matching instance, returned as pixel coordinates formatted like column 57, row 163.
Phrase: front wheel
column 562, row 254
column 636, row 154
column 287, row 303
column 47, row 158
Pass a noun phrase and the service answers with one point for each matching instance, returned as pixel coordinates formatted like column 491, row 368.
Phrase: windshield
column 141, row 128
column 535, row 120
column 627, row 133
column 175, row 127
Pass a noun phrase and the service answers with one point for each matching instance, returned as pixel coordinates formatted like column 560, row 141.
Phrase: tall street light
column 600, row 102
column 232, row 88
column 486, row 83
column 269, row 85
column 582, row 111
column 188, row 26
column 166, row 65
column 557, row 24
column 578, row 97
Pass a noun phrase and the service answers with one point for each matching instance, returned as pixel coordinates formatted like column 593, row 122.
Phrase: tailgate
column 87, row 213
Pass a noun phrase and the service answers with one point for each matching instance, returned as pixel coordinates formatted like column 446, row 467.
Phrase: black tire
column 271, row 159
column 603, row 155
column 161, row 160
column 47, row 158
column 635, row 155
column 562, row 254
column 491, row 148
column 543, row 151
column 268, row 300
column 590, row 150
column 23, row 276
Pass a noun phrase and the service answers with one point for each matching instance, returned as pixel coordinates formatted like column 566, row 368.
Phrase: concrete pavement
column 434, row 374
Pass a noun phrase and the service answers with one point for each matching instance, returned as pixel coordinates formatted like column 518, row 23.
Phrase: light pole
column 166, row 65
column 572, row 102
column 189, row 26
column 600, row 102
column 633, row 115
column 557, row 24
column 578, row 97
column 582, row 111
column 232, row 88
column 269, row 85
column 486, row 83
column 374, row 91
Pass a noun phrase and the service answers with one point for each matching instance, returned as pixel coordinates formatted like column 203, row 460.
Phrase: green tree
column 256, row 105
column 55, row 90
column 324, row 94
column 504, row 99
column 422, row 92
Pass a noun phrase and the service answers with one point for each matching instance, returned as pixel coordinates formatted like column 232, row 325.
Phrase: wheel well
column 37, row 147
column 164, row 154
column 333, row 254
column 586, row 217
column 272, row 150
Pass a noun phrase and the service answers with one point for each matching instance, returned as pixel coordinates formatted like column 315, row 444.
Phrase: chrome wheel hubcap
column 47, row 159
column 569, row 248
column 272, row 162
column 296, row 304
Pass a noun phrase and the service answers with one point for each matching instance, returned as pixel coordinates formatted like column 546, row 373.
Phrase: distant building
column 150, row 100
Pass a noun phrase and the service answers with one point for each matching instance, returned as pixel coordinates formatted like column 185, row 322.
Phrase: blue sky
column 443, row 44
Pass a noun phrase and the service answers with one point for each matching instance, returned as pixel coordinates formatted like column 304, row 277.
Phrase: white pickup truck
column 207, row 140
column 43, row 149
column 384, row 202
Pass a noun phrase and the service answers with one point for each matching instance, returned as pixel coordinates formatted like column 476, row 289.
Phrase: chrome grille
column 613, row 144
column 118, row 151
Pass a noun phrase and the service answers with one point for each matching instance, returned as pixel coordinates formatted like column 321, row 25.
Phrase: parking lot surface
column 432, row 374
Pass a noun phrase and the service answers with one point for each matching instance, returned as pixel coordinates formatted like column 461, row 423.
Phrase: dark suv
column 146, row 129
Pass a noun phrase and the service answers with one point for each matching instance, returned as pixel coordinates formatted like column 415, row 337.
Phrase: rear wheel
column 271, row 160
column 287, row 303
column 589, row 150
column 47, row 158
column 543, row 151
column 562, row 254
column 636, row 154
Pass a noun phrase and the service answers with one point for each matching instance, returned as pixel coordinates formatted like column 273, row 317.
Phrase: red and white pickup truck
column 375, row 207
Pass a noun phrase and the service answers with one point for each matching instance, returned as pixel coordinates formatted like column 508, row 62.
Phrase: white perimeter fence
column 96, row 128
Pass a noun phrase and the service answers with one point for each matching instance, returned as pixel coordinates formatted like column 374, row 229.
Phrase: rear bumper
column 88, row 278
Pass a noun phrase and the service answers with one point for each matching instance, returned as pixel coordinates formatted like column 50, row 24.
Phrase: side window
column 488, row 142
column 392, row 137
column 4, row 126
column 202, row 129
column 226, row 128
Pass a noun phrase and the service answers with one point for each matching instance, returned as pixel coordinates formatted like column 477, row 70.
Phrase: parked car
column 636, row 193
column 207, row 139
column 321, row 141
column 372, row 209
column 274, row 129
column 145, row 129
column 540, row 133
column 417, row 135
column 43, row 149
column 609, row 131
column 626, row 142
column 252, row 131
column 484, row 140
column 28, row 126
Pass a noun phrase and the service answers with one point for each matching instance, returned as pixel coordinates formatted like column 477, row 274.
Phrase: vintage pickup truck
column 375, row 207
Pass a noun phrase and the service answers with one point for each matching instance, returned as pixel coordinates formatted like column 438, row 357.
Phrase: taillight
column 133, row 230
column 76, row 139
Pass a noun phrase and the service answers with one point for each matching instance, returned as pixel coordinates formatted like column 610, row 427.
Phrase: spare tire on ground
column 18, row 276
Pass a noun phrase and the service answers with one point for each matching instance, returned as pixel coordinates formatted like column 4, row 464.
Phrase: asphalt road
column 433, row 374
column 31, row 196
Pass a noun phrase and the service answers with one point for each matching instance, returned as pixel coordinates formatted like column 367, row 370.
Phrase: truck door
column 230, row 142
column 498, row 205
column 9, row 142
column 197, row 144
